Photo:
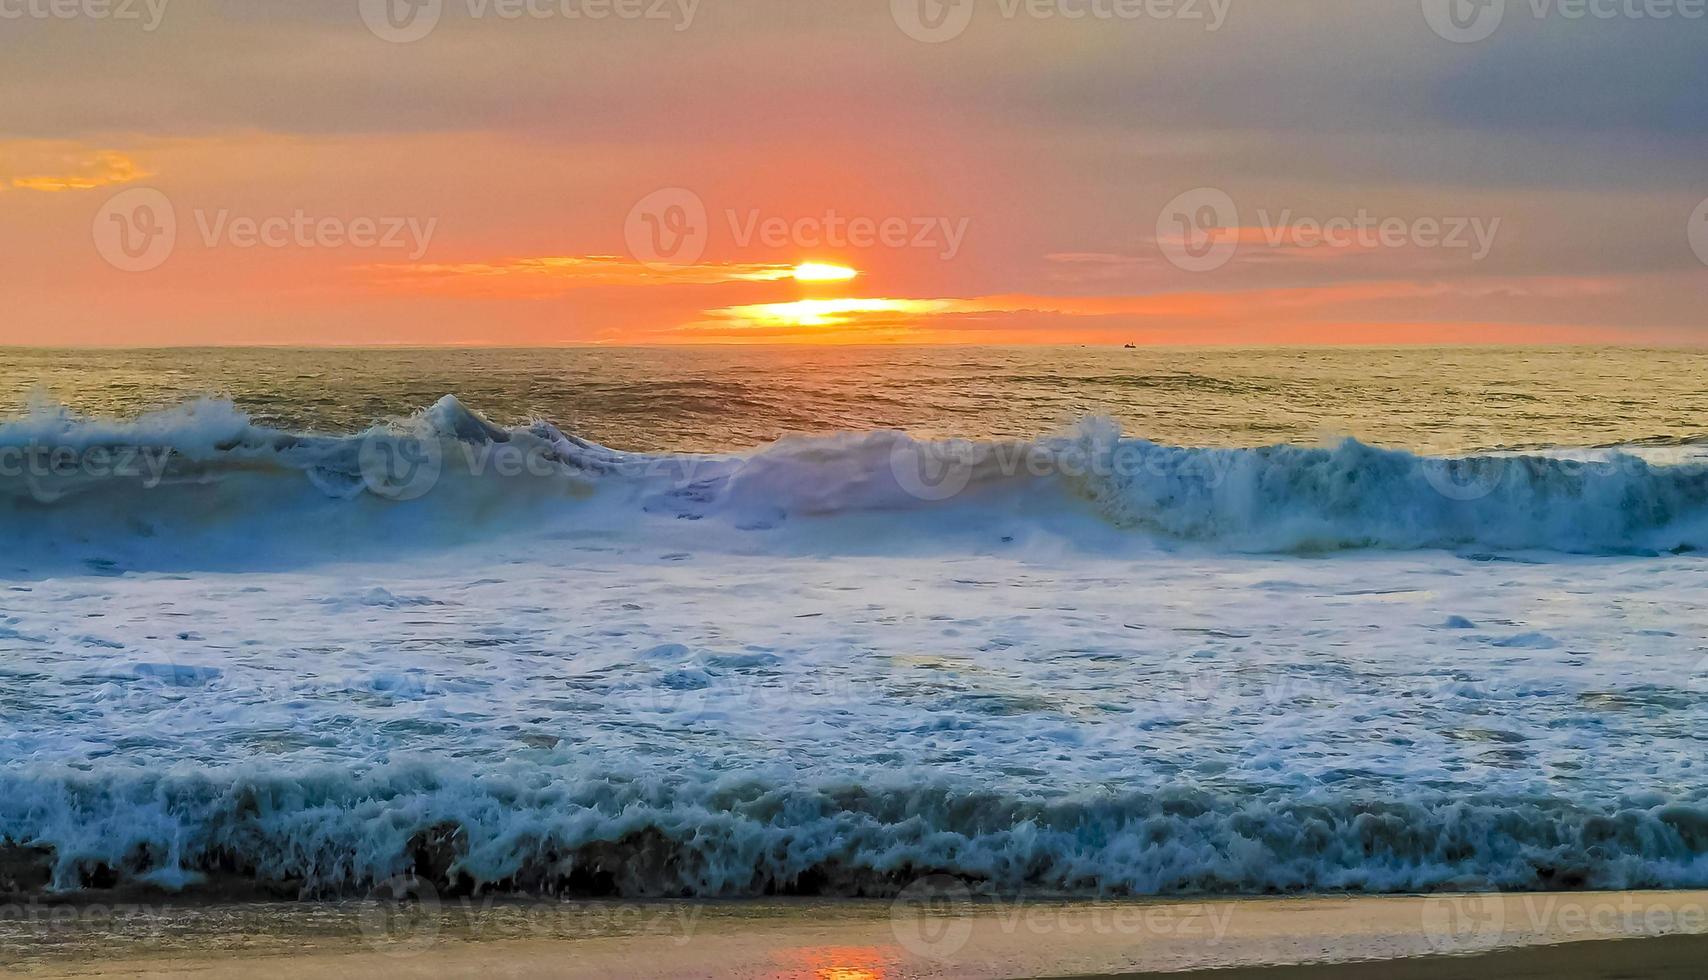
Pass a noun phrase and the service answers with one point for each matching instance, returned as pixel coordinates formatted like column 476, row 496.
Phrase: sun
column 823, row 272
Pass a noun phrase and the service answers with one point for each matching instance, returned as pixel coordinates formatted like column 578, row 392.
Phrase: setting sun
column 824, row 312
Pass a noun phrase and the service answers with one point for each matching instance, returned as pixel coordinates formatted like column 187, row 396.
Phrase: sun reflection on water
column 836, row 963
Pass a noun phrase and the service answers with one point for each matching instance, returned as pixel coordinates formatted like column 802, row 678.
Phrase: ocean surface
column 711, row 399
column 718, row 622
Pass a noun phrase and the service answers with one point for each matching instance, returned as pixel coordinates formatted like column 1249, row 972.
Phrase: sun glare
column 823, row 272
column 826, row 312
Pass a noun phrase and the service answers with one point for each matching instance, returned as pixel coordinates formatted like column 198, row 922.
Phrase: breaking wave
column 204, row 479
column 329, row 832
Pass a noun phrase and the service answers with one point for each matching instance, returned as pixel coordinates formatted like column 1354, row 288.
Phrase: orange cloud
column 54, row 167
column 549, row 273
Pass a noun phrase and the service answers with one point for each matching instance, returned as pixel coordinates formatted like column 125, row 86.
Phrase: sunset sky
column 660, row 174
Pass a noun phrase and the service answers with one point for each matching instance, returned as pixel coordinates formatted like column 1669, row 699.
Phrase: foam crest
column 447, row 475
column 327, row 832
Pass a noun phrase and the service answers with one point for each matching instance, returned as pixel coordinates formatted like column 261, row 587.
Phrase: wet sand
column 1662, row 958
column 1603, row 935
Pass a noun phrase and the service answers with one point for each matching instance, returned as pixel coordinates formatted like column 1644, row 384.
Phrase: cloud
column 52, row 166
column 557, row 272
column 1093, row 267
column 1180, row 315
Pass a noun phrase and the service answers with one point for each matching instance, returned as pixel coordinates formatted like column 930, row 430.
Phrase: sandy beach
column 1554, row 935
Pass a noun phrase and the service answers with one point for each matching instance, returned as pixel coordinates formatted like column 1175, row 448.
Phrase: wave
column 202, row 482
column 535, row 830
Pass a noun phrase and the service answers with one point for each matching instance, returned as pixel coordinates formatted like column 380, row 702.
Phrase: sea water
column 726, row 623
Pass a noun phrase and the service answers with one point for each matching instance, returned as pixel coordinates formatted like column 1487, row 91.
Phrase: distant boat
column 1132, row 346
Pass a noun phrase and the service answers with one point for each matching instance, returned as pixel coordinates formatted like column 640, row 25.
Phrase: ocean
column 722, row 622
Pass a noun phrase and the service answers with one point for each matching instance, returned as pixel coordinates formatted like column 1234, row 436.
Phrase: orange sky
column 252, row 175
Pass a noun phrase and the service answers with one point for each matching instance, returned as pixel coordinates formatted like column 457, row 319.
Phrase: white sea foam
column 539, row 828
column 1095, row 664
column 203, row 485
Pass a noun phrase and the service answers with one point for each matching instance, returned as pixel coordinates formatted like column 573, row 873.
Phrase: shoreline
column 922, row 935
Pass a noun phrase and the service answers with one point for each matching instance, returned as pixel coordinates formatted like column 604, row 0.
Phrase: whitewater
column 507, row 657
